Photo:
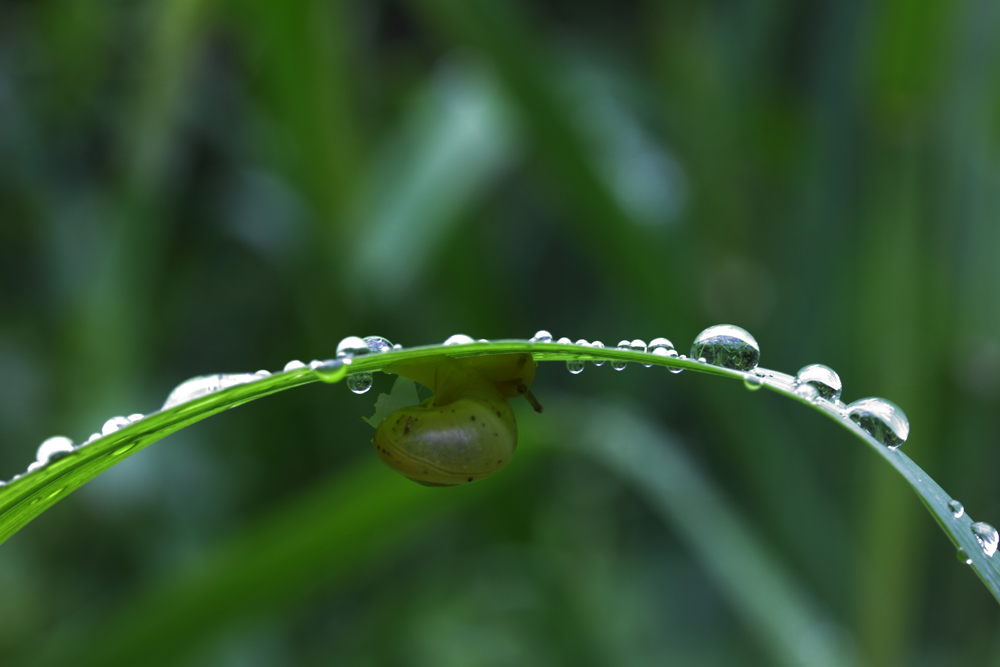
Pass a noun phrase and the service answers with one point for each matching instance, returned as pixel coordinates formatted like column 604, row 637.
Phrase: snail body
column 466, row 431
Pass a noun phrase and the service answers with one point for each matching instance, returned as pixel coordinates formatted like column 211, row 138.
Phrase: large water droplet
column 294, row 365
column 359, row 383
column 963, row 557
column 574, row 366
column 752, row 382
column 728, row 346
column 204, row 385
column 378, row 345
column 620, row 365
column 957, row 509
column 882, row 419
column 114, row 424
column 600, row 346
column 987, row 536
column 824, row 378
column 639, row 345
column 541, row 336
column 352, row 346
column 53, row 449
column 459, row 339
column 660, row 344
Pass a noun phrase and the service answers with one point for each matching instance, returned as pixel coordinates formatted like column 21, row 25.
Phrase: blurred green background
column 192, row 186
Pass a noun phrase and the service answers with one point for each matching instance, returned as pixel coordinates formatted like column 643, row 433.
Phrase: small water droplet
column 752, row 382
column 459, row 339
column 263, row 373
column 359, row 383
column 599, row 346
column 541, row 336
column 660, row 344
column 352, row 346
column 620, row 365
column 204, row 385
column 987, row 536
column 824, row 378
column 397, row 347
column 963, row 557
column 564, row 341
column 882, row 419
column 114, row 424
column 55, row 493
column 807, row 392
column 483, row 340
column 727, row 346
column 331, row 370
column 957, row 509
column 53, row 449
column 574, row 366
column 294, row 365
column 136, row 417
column 639, row 345
column 93, row 436
column 702, row 360
column 582, row 342
column 122, row 450
column 378, row 345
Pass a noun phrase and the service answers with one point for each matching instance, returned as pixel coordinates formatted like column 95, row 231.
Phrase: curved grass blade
column 26, row 497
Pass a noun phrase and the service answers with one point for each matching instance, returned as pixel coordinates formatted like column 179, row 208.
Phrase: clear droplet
column 331, row 370
column 53, row 449
column 807, row 392
column 987, row 536
column 204, row 385
column 352, row 346
column 660, row 344
column 114, row 424
column 824, row 378
column 702, row 360
column 135, row 417
column 752, row 382
column 963, row 557
column 483, row 340
column 359, row 383
column 957, row 509
column 541, row 336
column 459, row 339
column 294, row 365
column 882, row 419
column 574, row 366
column 620, row 365
column 564, row 341
column 582, row 342
column 728, row 346
column 397, row 347
column 377, row 344
column 639, row 345
column 673, row 355
column 599, row 346
column 93, row 436
column 263, row 373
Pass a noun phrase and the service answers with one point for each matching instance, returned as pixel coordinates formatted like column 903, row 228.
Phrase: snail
column 466, row 431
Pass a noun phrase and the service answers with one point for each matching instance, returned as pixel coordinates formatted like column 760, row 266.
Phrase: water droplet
column 824, row 378
column 564, row 341
column 957, row 509
column 55, row 493
column 483, row 340
column 620, row 365
column 807, row 392
column 397, row 347
column 574, row 366
column 378, row 345
column 114, row 424
column 987, row 536
column 582, row 342
column 660, row 344
column 122, row 450
column 702, row 360
column 459, row 339
column 331, row 370
column 53, row 449
column 294, row 365
column 639, row 345
column 882, row 419
column 752, row 382
column 204, row 385
column 599, row 346
column 93, row 436
column 728, row 346
column 136, row 417
column 359, row 383
column 263, row 373
column 963, row 557
column 352, row 346
column 541, row 336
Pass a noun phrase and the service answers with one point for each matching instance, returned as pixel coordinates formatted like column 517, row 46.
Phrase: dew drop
column 377, row 344
column 639, row 345
column 599, row 346
column 987, row 536
column 728, row 346
column 963, row 557
column 957, row 509
column 824, row 378
column 806, row 391
column 122, row 450
column 352, row 346
column 620, row 365
column 359, row 383
column 752, row 382
column 204, row 385
column 93, row 436
column 459, row 339
column 564, row 341
column 114, row 424
column 53, row 449
column 294, row 365
column 541, row 336
column 582, row 342
column 263, row 373
column 483, row 340
column 575, row 366
column 331, row 370
column 660, row 344
column 397, row 347
column 673, row 355
column 882, row 419
column 702, row 360
column 133, row 418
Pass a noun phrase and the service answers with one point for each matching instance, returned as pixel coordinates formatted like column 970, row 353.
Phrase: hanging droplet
column 600, row 346
column 294, row 365
column 824, row 378
column 639, row 345
column 331, row 370
column 807, row 392
column 359, row 383
column 459, row 339
column 963, row 557
column 957, row 509
column 574, row 366
column 728, row 346
column 620, row 365
column 377, row 344
column 882, row 419
column 135, row 417
column 752, row 382
column 53, row 449
column 114, row 424
column 541, row 336
column 483, row 340
column 987, row 536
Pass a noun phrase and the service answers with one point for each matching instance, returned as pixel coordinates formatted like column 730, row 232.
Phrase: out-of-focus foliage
column 195, row 186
